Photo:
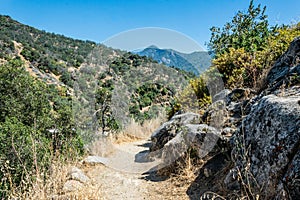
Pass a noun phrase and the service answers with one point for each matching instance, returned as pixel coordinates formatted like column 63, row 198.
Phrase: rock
column 95, row 160
column 169, row 129
column 240, row 94
column 285, row 66
column 291, row 178
column 221, row 95
column 271, row 134
column 72, row 185
column 78, row 175
column 229, row 111
column 216, row 114
column 228, row 131
column 211, row 177
column 203, row 139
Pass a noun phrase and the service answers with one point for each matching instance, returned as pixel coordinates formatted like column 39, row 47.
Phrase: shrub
column 26, row 118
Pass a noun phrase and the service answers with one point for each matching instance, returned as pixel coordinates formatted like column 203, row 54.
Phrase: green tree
column 238, row 47
column 248, row 30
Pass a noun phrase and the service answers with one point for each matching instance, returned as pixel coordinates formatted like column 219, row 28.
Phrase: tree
column 238, row 47
column 248, row 30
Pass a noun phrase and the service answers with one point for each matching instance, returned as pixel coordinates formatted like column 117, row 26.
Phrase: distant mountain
column 195, row 62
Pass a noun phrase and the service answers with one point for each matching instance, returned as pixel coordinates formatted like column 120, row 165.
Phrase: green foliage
column 247, row 30
column 246, row 47
column 145, row 101
column 240, row 68
column 194, row 98
column 123, row 64
column 66, row 78
column 44, row 50
column 103, row 106
column 278, row 43
column 26, row 118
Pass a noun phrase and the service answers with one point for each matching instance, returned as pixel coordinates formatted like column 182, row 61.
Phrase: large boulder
column 267, row 146
column 169, row 129
column 202, row 138
column 184, row 132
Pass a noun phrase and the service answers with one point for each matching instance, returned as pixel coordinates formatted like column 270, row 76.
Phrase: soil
column 128, row 175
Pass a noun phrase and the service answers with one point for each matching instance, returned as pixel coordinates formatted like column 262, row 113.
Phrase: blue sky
column 98, row 20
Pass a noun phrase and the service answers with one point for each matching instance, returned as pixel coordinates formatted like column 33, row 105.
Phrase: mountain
column 195, row 62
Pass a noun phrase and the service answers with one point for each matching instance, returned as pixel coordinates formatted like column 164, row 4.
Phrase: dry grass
column 136, row 131
column 102, row 147
column 52, row 187
column 184, row 171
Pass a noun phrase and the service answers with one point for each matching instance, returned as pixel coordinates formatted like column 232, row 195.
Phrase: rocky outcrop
column 263, row 158
column 267, row 143
column 286, row 68
column 184, row 132
column 199, row 137
column 168, row 130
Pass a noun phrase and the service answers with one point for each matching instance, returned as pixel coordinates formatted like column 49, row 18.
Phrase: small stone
column 78, row 175
column 72, row 185
column 94, row 160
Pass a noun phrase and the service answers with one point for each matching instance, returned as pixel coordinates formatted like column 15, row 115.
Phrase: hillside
column 62, row 61
column 59, row 94
column 195, row 62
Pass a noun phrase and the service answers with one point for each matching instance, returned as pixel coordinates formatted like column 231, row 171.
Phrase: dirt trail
column 123, row 176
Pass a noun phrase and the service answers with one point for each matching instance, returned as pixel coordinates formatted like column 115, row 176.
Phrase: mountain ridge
column 195, row 62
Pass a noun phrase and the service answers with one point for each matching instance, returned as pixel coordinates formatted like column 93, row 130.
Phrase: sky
column 100, row 20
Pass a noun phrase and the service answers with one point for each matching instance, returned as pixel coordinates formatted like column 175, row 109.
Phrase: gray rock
column 228, row 131
column 72, row 185
column 169, row 129
column 285, row 66
column 94, row 160
column 239, row 94
column 216, row 114
column 221, row 95
column 201, row 137
column 78, row 175
column 271, row 134
column 291, row 178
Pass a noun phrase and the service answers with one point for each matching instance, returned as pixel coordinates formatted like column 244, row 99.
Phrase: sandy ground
column 123, row 177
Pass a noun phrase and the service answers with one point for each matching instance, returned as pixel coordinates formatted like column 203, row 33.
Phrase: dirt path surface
column 123, row 176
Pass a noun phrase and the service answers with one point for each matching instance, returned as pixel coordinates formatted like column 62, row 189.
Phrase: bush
column 246, row 47
column 26, row 118
column 194, row 98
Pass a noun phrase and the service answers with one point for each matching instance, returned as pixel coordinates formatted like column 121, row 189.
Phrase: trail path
column 123, row 176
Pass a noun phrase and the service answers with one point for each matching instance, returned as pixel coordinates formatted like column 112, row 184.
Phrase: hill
column 195, row 62
column 57, row 93
column 62, row 61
